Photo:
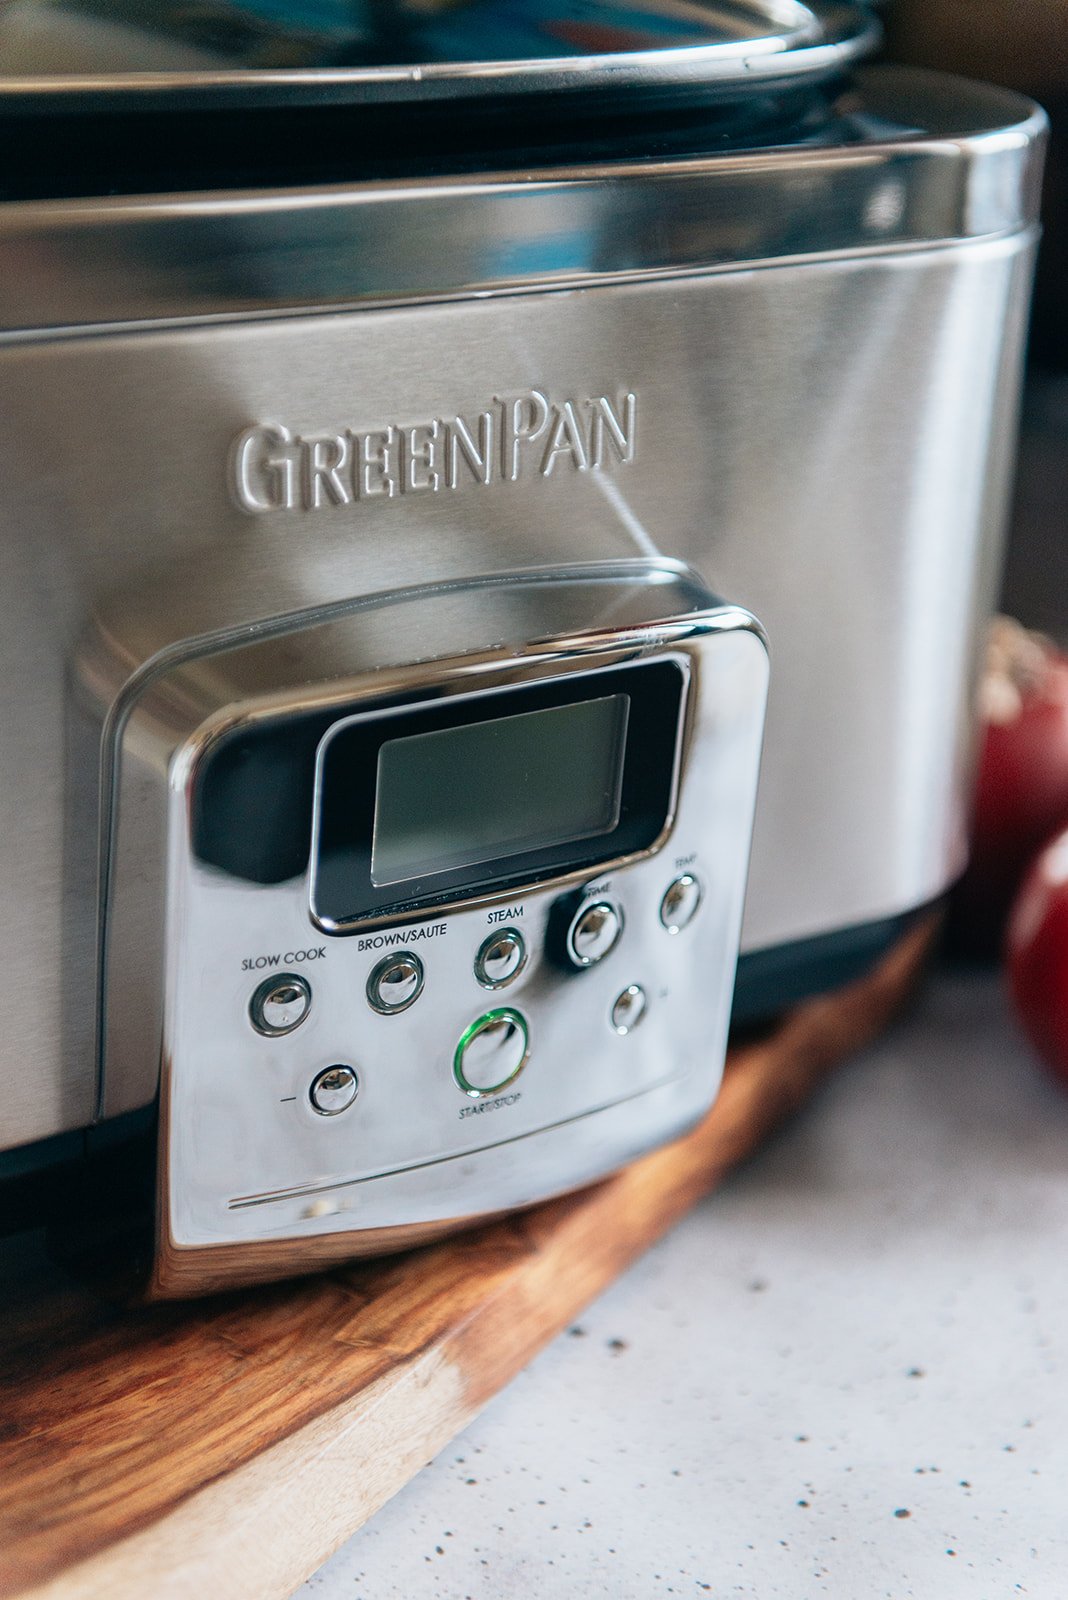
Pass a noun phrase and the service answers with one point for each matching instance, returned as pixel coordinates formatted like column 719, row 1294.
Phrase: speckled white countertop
column 844, row 1375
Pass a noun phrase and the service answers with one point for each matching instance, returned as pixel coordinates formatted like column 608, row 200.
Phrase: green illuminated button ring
column 491, row 1053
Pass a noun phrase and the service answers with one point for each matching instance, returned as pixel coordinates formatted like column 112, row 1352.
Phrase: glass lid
column 141, row 54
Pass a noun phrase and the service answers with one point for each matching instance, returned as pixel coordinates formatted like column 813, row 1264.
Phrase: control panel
column 445, row 940
column 493, row 1048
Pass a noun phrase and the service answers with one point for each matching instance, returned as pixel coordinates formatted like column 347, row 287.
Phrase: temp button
column 492, row 1052
column 680, row 902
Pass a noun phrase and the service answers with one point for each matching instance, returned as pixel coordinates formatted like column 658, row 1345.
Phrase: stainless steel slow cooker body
column 806, row 280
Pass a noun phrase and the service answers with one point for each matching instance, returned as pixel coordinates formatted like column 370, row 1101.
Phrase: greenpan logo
column 524, row 435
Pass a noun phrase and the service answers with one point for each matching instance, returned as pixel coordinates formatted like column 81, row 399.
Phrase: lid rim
column 845, row 34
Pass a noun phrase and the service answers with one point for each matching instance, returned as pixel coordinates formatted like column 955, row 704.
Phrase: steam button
column 500, row 959
column 680, row 902
column 280, row 1004
column 396, row 983
column 334, row 1090
column 594, row 933
column 491, row 1052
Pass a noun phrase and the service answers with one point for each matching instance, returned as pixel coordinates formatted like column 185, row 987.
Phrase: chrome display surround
column 397, row 714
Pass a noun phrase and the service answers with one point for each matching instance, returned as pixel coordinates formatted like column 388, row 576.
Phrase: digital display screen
column 458, row 796
column 432, row 802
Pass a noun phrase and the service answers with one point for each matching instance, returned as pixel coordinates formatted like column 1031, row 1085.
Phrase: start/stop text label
column 499, row 1103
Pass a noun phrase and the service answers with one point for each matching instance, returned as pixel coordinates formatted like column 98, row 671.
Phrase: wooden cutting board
column 224, row 1448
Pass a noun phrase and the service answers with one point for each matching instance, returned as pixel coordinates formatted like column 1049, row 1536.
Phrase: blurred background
column 1024, row 45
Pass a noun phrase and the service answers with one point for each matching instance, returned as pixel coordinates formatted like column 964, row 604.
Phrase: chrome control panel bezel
column 251, row 1166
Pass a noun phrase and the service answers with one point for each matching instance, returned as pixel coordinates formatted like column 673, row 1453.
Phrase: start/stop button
column 492, row 1052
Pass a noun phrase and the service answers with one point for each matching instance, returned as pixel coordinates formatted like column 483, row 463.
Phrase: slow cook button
column 491, row 1053
column 280, row 1004
column 396, row 983
column 334, row 1089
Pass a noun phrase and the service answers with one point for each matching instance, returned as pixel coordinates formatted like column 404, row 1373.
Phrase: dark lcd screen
column 430, row 804
column 462, row 796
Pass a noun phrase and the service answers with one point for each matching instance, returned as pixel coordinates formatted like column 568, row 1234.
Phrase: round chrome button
column 501, row 958
column 280, row 1004
column 334, row 1090
column 491, row 1053
column 680, row 902
column 629, row 1008
column 594, row 932
column 396, row 983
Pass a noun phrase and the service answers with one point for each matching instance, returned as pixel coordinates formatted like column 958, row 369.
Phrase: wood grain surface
column 224, row 1448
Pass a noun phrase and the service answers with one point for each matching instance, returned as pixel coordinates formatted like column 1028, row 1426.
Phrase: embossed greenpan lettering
column 522, row 435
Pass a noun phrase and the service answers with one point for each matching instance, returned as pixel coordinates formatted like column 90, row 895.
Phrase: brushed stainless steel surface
column 424, row 1144
column 49, row 59
column 830, row 443
column 828, row 438
column 68, row 264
